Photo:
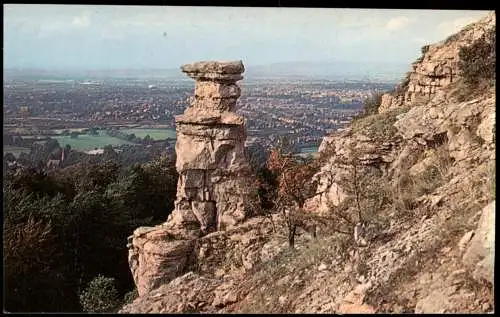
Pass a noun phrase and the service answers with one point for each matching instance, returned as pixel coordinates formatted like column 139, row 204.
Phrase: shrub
column 100, row 296
column 406, row 81
column 371, row 104
column 477, row 61
column 130, row 296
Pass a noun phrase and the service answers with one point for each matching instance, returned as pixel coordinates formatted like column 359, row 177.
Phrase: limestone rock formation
column 365, row 147
column 353, row 302
column 214, row 190
column 437, row 119
column 214, row 182
column 480, row 254
column 437, row 68
column 428, row 131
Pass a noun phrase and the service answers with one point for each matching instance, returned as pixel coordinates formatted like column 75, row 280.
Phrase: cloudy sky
column 134, row 37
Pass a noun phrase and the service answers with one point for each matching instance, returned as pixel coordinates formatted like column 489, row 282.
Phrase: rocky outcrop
column 437, row 68
column 189, row 293
column 480, row 254
column 465, row 127
column 353, row 303
column 215, row 178
column 218, row 265
column 360, row 145
column 214, row 190
column 427, row 130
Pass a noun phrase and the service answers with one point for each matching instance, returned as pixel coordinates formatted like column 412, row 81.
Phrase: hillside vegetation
column 66, row 227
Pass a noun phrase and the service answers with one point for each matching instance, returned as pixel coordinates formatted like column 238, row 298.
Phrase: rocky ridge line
column 437, row 68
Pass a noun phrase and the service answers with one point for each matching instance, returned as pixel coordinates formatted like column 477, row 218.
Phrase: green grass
column 312, row 149
column 155, row 134
column 89, row 142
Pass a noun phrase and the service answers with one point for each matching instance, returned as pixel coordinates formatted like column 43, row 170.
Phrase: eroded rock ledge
column 215, row 185
column 437, row 68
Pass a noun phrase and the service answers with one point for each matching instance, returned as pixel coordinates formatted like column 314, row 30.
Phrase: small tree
column 366, row 193
column 100, row 296
column 131, row 137
column 295, row 187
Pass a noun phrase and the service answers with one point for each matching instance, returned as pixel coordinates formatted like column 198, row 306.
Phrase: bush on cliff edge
column 477, row 61
column 100, row 296
column 371, row 104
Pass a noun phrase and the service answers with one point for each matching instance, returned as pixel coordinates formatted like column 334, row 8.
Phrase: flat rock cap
column 235, row 67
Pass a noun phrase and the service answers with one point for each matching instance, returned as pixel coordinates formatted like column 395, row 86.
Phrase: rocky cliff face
column 422, row 173
column 437, row 68
column 433, row 113
column 214, row 190
column 422, row 132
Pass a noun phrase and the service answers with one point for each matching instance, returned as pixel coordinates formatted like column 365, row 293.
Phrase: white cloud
column 81, row 21
column 397, row 23
column 450, row 27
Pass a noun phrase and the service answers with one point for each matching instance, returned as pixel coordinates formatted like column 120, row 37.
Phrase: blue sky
column 135, row 37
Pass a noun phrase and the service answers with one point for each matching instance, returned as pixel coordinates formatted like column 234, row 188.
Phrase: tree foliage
column 266, row 180
column 100, row 296
column 64, row 228
column 295, row 186
column 478, row 61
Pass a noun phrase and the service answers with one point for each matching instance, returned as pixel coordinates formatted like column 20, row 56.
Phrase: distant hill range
column 336, row 71
column 339, row 70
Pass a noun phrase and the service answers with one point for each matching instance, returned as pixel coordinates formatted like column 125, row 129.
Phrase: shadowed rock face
column 215, row 184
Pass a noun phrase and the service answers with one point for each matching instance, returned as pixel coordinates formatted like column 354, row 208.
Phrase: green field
column 15, row 150
column 89, row 142
column 312, row 149
column 155, row 134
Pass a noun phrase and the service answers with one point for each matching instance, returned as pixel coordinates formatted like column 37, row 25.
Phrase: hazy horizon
column 98, row 37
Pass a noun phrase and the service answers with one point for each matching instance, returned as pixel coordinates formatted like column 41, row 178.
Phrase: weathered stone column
column 214, row 181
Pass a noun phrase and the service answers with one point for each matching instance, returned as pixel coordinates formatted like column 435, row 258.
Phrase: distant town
column 302, row 110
